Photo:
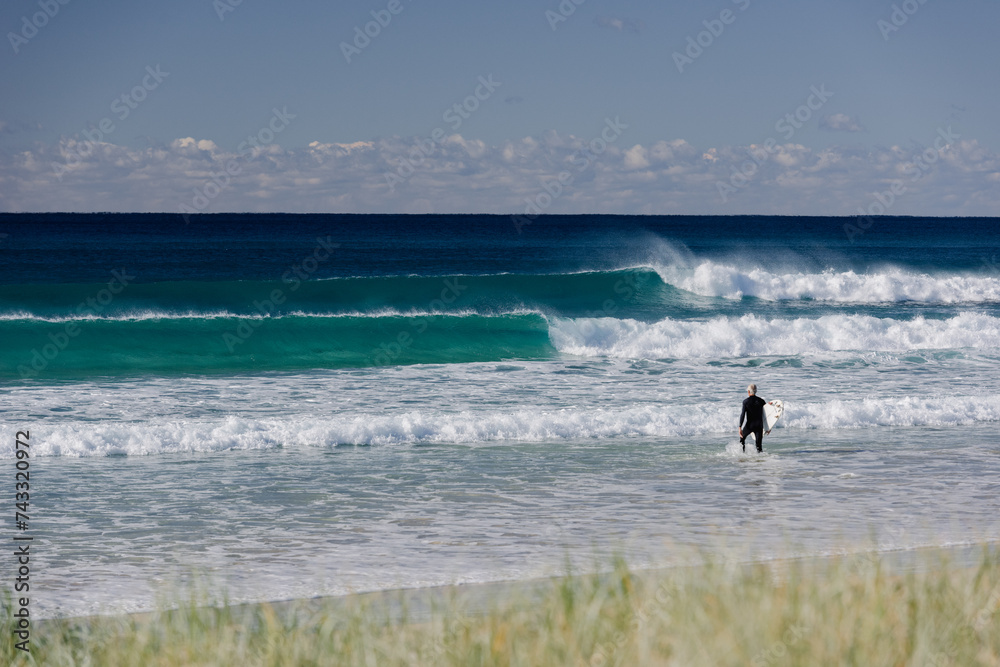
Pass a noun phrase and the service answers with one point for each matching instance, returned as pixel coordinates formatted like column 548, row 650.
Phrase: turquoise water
column 310, row 405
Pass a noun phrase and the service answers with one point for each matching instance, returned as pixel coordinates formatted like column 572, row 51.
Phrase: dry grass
column 848, row 612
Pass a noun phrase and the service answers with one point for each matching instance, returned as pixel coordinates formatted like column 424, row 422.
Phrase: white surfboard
column 772, row 413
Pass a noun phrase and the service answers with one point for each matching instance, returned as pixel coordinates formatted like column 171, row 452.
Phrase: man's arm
column 743, row 414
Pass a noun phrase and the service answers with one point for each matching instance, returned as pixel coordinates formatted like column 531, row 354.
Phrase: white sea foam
column 749, row 335
column 156, row 315
column 902, row 411
column 890, row 286
column 120, row 316
column 165, row 436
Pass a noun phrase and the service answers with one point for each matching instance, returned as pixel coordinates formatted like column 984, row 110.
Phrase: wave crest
column 891, row 286
column 749, row 335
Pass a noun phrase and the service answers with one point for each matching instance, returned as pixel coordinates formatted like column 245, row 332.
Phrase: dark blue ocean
column 299, row 405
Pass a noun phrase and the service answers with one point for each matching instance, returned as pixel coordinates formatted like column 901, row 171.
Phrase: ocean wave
column 156, row 315
column 171, row 346
column 229, row 344
column 750, row 335
column 890, row 286
column 79, row 439
column 488, row 294
column 643, row 292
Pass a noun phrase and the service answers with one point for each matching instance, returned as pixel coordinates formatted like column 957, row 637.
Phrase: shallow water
column 448, row 486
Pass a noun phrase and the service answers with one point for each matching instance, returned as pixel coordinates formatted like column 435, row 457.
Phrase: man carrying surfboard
column 753, row 411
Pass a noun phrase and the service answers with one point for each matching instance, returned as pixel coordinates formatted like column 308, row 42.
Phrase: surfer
column 753, row 410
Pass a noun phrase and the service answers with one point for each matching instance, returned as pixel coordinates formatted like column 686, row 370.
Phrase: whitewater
column 446, row 400
column 887, row 285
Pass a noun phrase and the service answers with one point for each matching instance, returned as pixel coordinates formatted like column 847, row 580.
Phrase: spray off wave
column 890, row 286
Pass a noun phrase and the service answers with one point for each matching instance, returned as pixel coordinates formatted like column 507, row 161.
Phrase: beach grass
column 851, row 610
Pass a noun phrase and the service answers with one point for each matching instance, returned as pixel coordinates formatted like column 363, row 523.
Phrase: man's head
column 752, row 389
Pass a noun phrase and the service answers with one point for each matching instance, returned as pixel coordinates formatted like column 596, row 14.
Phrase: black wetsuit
column 753, row 410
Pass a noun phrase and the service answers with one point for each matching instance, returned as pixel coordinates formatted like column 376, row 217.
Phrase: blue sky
column 905, row 117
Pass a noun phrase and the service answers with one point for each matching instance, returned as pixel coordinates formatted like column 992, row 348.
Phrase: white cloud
column 841, row 122
column 191, row 146
column 635, row 158
column 619, row 24
column 342, row 148
column 469, row 175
